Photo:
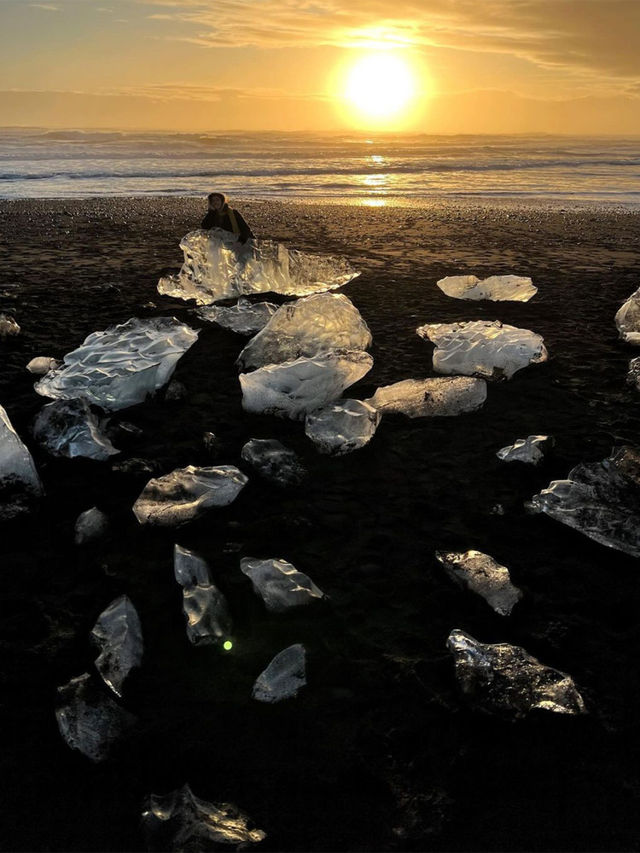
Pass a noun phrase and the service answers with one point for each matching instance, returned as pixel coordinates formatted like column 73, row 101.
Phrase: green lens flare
column 227, row 645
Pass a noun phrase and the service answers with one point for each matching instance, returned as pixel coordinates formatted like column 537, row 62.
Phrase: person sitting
column 220, row 215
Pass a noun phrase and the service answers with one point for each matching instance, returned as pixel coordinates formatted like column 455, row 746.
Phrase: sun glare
column 381, row 87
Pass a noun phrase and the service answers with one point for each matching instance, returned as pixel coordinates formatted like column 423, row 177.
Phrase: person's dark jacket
column 222, row 219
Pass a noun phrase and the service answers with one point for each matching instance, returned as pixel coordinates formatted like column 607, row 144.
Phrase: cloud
column 48, row 7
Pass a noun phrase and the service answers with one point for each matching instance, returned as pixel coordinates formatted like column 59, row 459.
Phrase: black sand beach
column 380, row 751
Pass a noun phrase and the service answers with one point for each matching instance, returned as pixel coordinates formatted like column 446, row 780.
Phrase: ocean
column 360, row 169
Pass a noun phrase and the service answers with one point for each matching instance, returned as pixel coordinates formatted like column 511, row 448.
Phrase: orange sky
column 500, row 66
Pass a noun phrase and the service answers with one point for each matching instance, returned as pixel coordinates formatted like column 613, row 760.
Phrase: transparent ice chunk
column 483, row 348
column 42, row 364
column 284, row 677
column 19, row 480
column 273, row 461
column 187, row 493
column 245, row 318
column 496, row 288
column 530, row 450
column 438, row 397
column 69, row 428
column 628, row 319
column 92, row 524
column 8, row 326
column 481, row 574
column 280, row 585
column 307, row 327
column 504, row 679
column 205, row 607
column 118, row 635
column 342, row 427
column 122, row 365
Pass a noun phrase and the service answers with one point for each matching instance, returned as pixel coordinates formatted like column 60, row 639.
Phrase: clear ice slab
column 506, row 680
column 295, row 388
column 307, row 327
column 180, row 821
column 89, row 719
column 495, row 288
column 187, row 493
column 481, row 574
column 69, row 428
column 531, row 450
column 91, row 525
column 205, row 607
column 122, row 365
column 118, row 635
column 280, row 585
column 273, row 461
column 217, row 267
column 492, row 350
column 342, row 427
column 245, row 318
column 284, row 677
column 429, row 398
column 628, row 319
column 600, row 499
column 19, row 481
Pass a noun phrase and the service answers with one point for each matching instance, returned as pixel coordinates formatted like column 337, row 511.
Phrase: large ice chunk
column 89, row 719
column 19, row 480
column 483, row 348
column 481, row 574
column 273, row 461
column 118, row 635
column 505, row 679
column 217, row 267
column 122, row 365
column 437, row 397
column 245, row 318
column 187, row 493
column 496, row 288
column 294, row 388
column 284, row 677
column 342, row 427
column 307, row 327
column 205, row 607
column 600, row 499
column 180, row 821
column 280, row 585
column 628, row 319
column 530, row 450
column 69, row 428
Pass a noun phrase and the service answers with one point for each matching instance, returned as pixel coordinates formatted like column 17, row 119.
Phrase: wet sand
column 380, row 751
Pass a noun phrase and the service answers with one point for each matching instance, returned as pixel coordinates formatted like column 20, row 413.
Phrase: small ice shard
column 89, row 719
column 19, row 480
column 69, row 428
column 600, row 499
column 307, row 327
column 280, row 585
column 118, row 635
column 628, row 319
column 483, row 348
column 217, row 267
column 122, row 365
column 212, row 444
column 42, row 364
column 531, row 449
column 182, row 822
column 8, row 326
column 633, row 376
column 175, row 392
column 342, row 427
column 438, row 397
column 135, row 467
column 481, row 574
column 245, row 318
column 284, row 677
column 294, row 388
column 273, row 461
column 496, row 288
column 91, row 525
column 504, row 679
column 205, row 607
column 187, row 493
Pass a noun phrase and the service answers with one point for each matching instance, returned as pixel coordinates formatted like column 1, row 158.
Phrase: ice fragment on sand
column 307, row 327
column 531, row 449
column 205, row 607
column 496, row 288
column 118, row 635
column 42, row 364
column 8, row 326
column 122, row 365
column 89, row 719
column 280, row 585
column 628, row 319
column 342, row 427
column 633, row 376
column 274, row 461
column 180, row 821
column 297, row 387
column 483, row 348
column 284, row 677
column 438, row 397
column 505, row 679
column 69, row 428
column 92, row 524
column 245, row 318
column 187, row 493
column 217, row 267
column 600, row 499
column 175, row 392
column 19, row 480
column 481, row 574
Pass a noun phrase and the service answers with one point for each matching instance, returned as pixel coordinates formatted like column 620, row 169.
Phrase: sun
column 381, row 87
